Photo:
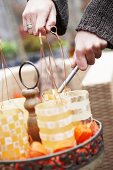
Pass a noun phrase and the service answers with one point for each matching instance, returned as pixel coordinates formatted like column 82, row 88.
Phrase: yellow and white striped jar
column 13, row 134
column 55, row 123
column 78, row 102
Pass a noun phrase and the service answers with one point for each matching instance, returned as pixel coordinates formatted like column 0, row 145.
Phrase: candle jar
column 55, row 123
column 78, row 102
column 50, row 94
column 13, row 134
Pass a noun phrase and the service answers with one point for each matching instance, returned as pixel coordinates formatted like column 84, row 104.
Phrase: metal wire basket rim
column 60, row 152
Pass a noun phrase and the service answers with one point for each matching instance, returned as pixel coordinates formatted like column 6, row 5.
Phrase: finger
column 33, row 20
column 90, row 56
column 81, row 60
column 51, row 21
column 40, row 24
column 97, row 52
column 103, row 44
column 42, row 32
column 73, row 64
column 24, row 22
column 29, row 21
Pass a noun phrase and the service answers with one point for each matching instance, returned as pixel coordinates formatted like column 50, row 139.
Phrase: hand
column 88, row 46
column 40, row 14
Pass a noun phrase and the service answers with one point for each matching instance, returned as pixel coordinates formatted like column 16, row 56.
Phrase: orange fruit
column 65, row 144
column 94, row 127
column 82, row 133
column 36, row 149
column 17, row 95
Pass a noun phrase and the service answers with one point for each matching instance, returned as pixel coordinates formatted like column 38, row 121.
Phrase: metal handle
column 20, row 75
column 68, row 79
column 53, row 30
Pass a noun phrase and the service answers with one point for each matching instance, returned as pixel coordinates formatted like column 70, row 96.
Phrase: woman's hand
column 38, row 16
column 88, row 46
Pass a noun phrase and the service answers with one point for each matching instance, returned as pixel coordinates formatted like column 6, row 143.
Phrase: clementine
column 65, row 144
column 82, row 133
column 36, row 149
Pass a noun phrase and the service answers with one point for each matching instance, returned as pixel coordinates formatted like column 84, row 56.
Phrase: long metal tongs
column 73, row 72
column 68, row 79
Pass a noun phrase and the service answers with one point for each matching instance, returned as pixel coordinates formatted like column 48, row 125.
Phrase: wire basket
column 87, row 154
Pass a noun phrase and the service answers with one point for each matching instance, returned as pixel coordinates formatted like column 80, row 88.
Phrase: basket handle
column 20, row 75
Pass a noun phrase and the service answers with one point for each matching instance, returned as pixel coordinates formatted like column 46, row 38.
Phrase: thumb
column 73, row 64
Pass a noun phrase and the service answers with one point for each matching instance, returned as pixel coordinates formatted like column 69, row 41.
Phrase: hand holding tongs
column 68, row 79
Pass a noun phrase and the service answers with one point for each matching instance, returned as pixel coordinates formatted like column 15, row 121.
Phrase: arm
column 98, row 19
column 94, row 33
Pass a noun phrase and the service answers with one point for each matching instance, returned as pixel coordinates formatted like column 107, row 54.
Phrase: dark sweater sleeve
column 62, row 15
column 98, row 19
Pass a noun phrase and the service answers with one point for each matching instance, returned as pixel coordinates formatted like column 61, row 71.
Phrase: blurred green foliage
column 9, row 49
column 32, row 44
column 55, row 44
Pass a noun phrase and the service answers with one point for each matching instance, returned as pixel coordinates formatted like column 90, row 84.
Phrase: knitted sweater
column 98, row 19
column 62, row 15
